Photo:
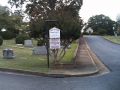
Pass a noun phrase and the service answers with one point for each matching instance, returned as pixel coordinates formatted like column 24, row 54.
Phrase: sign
column 54, row 43
column 54, row 33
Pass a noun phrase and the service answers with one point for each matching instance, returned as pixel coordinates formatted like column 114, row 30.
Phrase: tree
column 66, row 12
column 5, row 22
column 101, row 24
column 10, row 22
column 118, row 24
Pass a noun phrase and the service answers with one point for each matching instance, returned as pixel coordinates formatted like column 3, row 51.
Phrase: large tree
column 101, row 24
column 10, row 22
column 66, row 12
column 6, row 22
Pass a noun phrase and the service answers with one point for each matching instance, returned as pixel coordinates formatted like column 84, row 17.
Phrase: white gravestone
column 40, row 50
column 28, row 43
column 8, row 54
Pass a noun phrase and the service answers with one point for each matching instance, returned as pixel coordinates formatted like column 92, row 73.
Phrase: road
column 109, row 54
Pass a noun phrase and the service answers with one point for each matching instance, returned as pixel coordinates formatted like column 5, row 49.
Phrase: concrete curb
column 47, row 74
column 101, row 67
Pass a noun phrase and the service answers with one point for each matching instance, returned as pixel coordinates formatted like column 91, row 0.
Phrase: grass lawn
column 113, row 39
column 69, row 56
column 24, row 59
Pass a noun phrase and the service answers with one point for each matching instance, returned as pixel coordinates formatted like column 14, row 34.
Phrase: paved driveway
column 109, row 54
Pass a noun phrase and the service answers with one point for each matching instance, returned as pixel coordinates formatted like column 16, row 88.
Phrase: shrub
column 40, row 42
column 1, row 40
column 21, row 37
column 8, row 35
column 102, row 31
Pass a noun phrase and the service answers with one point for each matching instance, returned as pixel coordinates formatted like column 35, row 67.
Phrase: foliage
column 4, row 10
column 8, row 35
column 40, row 42
column 66, row 12
column 9, row 21
column 101, row 22
column 102, row 31
column 1, row 40
column 21, row 37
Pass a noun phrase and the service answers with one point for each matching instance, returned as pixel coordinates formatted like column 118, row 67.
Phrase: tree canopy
column 101, row 24
column 66, row 12
column 9, row 21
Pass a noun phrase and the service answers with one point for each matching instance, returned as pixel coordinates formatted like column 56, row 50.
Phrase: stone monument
column 39, row 50
column 28, row 43
column 8, row 54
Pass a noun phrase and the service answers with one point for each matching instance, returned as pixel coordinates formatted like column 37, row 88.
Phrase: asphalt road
column 109, row 54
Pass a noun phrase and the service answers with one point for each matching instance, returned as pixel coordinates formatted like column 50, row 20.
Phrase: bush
column 40, row 42
column 85, row 33
column 8, row 35
column 102, row 31
column 1, row 40
column 21, row 37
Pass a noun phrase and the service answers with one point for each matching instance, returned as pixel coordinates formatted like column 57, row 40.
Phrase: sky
column 109, row 8
column 90, row 8
column 3, row 2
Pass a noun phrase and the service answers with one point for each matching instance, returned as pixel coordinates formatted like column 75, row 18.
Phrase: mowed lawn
column 113, row 39
column 24, row 60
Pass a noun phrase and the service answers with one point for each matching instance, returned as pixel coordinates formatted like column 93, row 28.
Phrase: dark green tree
column 101, row 24
column 10, row 22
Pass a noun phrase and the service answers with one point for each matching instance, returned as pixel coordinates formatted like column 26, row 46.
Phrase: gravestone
column 39, row 50
column 28, row 43
column 8, row 54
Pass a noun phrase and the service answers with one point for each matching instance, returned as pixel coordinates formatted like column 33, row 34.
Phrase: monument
column 28, row 43
column 39, row 50
column 8, row 54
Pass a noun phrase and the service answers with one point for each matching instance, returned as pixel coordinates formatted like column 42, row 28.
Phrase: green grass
column 113, row 39
column 69, row 56
column 24, row 59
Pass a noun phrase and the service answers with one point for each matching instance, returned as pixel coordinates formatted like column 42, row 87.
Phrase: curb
column 99, row 64
column 47, row 74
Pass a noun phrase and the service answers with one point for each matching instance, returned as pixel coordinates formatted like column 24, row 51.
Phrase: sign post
column 52, row 23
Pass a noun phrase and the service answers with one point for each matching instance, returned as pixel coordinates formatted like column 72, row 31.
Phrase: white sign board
column 54, row 43
column 54, row 33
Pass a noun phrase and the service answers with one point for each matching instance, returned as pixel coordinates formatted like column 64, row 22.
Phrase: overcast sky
column 109, row 8
column 3, row 2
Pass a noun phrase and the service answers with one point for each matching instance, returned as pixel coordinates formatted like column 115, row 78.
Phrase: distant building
column 89, row 30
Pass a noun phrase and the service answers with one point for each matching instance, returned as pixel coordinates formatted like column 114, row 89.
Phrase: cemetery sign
column 54, row 35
